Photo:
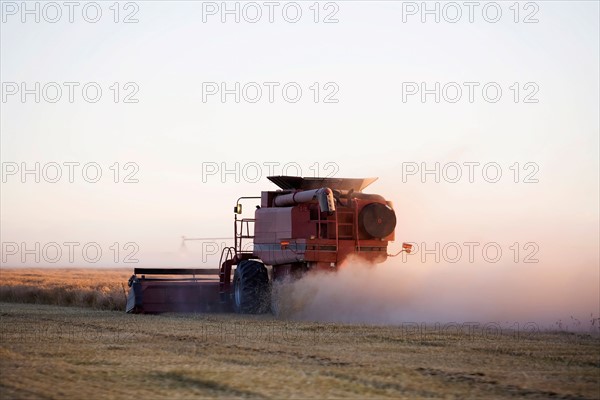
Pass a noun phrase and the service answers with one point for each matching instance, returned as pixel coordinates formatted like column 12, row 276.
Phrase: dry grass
column 97, row 288
column 69, row 352
column 47, row 351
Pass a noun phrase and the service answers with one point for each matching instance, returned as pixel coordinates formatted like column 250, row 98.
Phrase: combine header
column 309, row 224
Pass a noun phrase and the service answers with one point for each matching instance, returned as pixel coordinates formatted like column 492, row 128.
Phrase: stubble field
column 90, row 350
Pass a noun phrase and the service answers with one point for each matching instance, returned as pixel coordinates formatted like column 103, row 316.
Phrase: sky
column 161, row 122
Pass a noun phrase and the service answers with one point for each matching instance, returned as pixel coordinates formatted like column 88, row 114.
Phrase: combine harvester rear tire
column 251, row 289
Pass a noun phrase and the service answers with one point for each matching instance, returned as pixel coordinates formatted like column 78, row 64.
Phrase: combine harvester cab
column 310, row 224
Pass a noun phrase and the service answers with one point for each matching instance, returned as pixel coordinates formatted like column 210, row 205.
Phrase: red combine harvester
column 310, row 224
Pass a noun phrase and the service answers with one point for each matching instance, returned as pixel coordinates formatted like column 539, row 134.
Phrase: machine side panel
column 273, row 224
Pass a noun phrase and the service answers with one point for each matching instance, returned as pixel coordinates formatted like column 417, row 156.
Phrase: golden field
column 86, row 287
column 52, row 351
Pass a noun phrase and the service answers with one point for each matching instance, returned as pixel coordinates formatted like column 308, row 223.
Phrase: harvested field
column 87, row 350
column 70, row 352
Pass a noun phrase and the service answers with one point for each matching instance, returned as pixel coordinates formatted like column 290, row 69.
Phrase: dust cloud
column 405, row 292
